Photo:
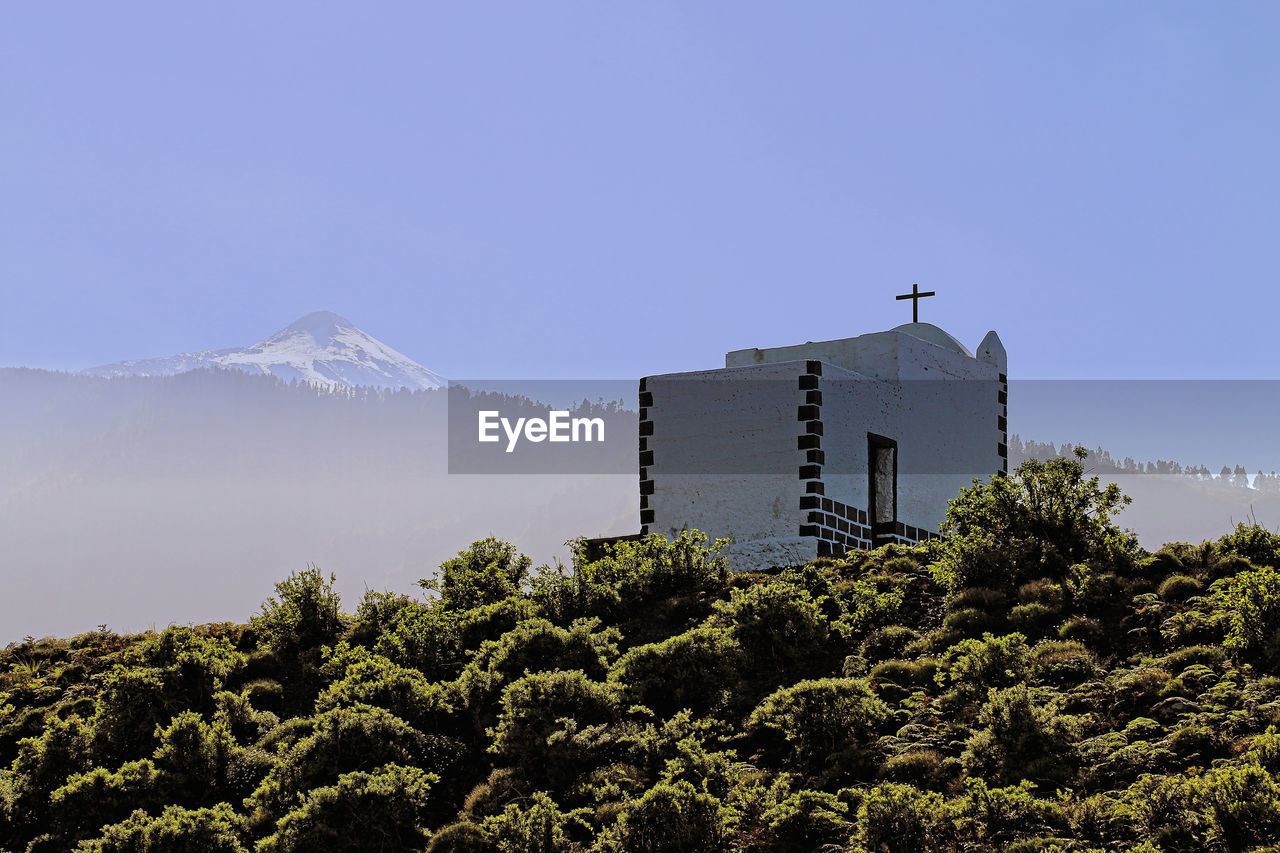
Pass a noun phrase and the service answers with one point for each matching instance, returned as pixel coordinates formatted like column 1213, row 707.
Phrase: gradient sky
column 606, row 190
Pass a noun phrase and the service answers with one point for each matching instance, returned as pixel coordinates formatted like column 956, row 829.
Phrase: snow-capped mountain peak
column 322, row 348
column 321, row 325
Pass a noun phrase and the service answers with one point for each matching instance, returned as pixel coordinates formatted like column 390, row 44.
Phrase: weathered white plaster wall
column 946, row 431
column 725, row 457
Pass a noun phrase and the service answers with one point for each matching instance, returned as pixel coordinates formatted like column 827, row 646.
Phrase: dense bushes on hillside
column 1032, row 682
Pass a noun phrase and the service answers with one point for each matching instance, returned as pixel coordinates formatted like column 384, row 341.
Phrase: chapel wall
column 719, row 452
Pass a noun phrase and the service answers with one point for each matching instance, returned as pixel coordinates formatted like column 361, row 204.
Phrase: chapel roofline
column 877, row 353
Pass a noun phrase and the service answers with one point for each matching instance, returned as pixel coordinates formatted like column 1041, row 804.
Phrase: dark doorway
column 882, row 483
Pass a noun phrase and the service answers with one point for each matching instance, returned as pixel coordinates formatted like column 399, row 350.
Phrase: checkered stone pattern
column 838, row 527
column 809, row 416
column 646, row 460
column 905, row 534
column 1002, row 423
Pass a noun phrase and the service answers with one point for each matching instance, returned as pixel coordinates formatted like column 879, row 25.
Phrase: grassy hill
column 1035, row 681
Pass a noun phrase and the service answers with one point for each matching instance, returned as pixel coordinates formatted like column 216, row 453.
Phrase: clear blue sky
column 607, row 190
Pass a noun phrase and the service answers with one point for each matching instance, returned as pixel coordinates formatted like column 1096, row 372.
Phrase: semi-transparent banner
column 969, row 428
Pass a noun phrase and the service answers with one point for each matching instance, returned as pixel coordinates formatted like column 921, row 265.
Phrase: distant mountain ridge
column 322, row 348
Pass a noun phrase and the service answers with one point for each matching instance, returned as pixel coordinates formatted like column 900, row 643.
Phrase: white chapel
column 815, row 449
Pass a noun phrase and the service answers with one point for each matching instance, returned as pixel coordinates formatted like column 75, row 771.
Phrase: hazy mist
column 140, row 502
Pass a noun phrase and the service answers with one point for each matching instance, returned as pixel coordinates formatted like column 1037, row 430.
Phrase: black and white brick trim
column 838, row 527
column 646, row 459
column 1002, row 423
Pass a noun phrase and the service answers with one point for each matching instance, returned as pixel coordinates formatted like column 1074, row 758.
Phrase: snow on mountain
column 321, row 348
column 160, row 366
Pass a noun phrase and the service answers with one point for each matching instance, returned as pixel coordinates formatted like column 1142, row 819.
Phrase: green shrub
column 899, row 819
column 718, row 728
column 972, row 622
column 490, row 621
column 375, row 614
column 905, row 673
column 1100, row 820
column 461, row 837
column 1176, row 661
column 424, row 637
column 265, row 694
column 1042, row 591
column 901, row 564
column 698, row 670
column 1136, row 690
column 1143, row 728
column 1250, row 602
column 174, row 830
column 975, row 666
column 995, row 818
column 854, row 666
column 195, row 664
column 1264, row 749
column 306, row 615
column 861, row 605
column 195, row 756
column 503, row 786
column 536, row 645
column 1166, row 811
column 342, row 741
column 924, row 768
column 631, row 575
column 1131, row 762
column 806, row 821
column 887, row 642
column 1179, row 588
column 1105, row 596
column 375, row 812
column 535, row 826
column 551, row 723
column 43, row 765
column 827, row 724
column 978, row 598
column 1229, row 565
column 1160, row 565
column 937, row 640
column 1062, row 663
column 1198, row 745
column 133, row 701
column 1035, row 523
column 1034, row 620
column 486, row 573
column 1021, row 736
column 1082, row 628
column 99, row 796
column 1192, row 681
column 779, row 627
column 1044, row 844
column 671, row 818
column 406, row 693
column 1243, row 805
column 1254, row 543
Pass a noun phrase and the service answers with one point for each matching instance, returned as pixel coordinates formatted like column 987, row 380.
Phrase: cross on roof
column 915, row 296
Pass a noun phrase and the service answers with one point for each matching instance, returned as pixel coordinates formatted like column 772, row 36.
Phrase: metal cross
column 915, row 296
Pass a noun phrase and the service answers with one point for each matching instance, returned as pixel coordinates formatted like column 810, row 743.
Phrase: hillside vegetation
column 1033, row 682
